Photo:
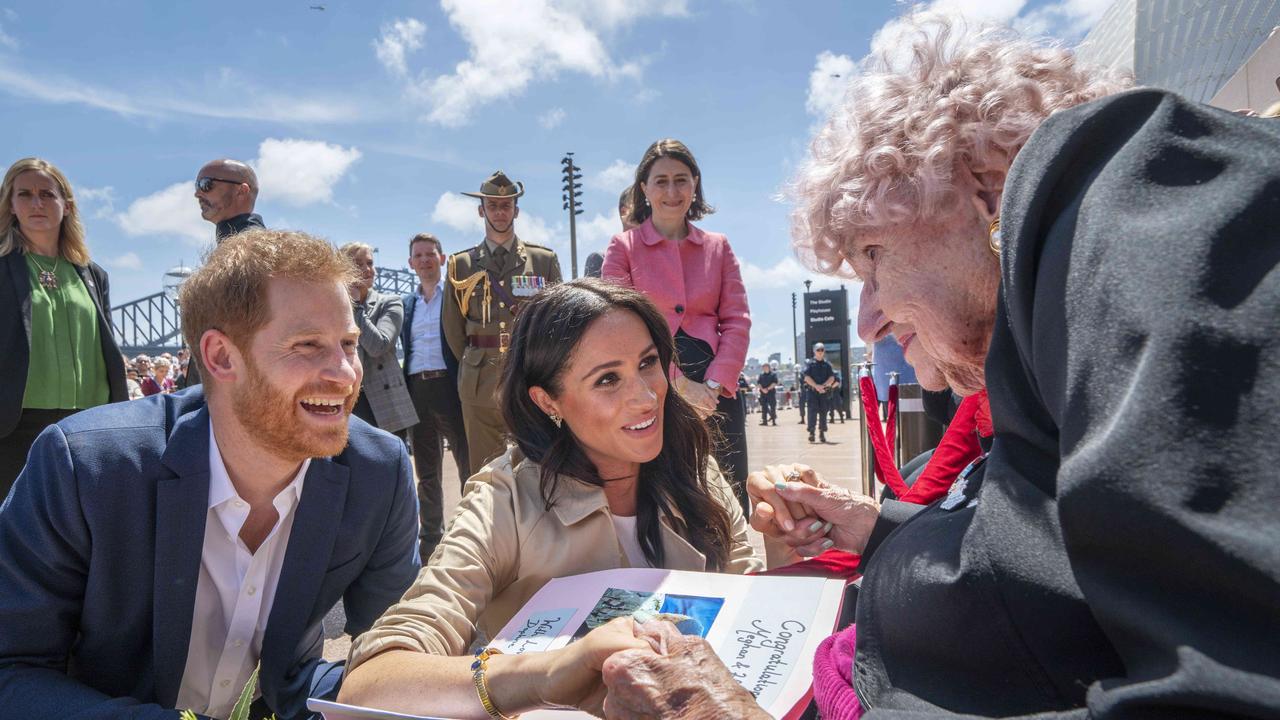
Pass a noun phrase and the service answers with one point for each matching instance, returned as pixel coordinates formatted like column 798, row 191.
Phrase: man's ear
column 480, row 209
column 543, row 400
column 515, row 212
column 222, row 359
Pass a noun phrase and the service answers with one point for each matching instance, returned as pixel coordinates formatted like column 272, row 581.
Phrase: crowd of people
column 1091, row 266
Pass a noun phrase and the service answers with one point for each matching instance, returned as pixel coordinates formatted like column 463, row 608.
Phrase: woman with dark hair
column 609, row 470
column 693, row 278
column 58, row 352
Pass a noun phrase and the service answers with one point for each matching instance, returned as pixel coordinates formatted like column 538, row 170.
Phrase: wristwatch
column 713, row 385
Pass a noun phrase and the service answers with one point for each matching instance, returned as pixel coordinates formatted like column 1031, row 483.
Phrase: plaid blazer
column 380, row 318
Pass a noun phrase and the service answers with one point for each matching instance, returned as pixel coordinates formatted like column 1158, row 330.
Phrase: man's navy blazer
column 100, row 544
column 406, row 334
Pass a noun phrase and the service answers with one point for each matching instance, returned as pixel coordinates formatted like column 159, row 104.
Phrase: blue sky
column 366, row 119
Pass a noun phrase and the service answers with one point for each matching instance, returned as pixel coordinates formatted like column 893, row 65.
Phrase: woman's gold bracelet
column 478, row 670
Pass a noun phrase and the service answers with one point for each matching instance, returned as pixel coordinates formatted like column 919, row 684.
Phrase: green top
column 66, row 370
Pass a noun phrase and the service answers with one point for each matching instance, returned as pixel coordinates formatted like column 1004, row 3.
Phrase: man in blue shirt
column 431, row 372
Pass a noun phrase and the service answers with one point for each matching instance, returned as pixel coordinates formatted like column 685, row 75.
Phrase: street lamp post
column 571, row 203
column 794, row 332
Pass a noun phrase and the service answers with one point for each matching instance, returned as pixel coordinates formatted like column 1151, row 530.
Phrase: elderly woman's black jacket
column 15, row 335
column 1119, row 557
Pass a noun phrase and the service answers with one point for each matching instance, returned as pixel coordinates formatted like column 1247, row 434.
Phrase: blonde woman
column 59, row 355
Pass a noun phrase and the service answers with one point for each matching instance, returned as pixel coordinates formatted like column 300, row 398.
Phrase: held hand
column 792, row 522
column 677, row 677
column 852, row 515
column 573, row 678
column 770, row 514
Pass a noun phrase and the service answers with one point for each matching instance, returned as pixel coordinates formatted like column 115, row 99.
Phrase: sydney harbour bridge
column 153, row 325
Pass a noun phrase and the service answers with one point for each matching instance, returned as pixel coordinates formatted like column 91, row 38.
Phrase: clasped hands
column 792, row 503
column 703, row 398
column 679, row 676
column 628, row 670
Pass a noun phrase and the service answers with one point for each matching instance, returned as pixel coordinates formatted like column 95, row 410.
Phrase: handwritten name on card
column 538, row 631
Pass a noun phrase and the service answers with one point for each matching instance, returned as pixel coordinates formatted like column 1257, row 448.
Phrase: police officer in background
column 819, row 378
column 485, row 286
column 767, row 385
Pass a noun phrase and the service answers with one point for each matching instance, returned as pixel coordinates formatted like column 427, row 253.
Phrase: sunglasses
column 205, row 184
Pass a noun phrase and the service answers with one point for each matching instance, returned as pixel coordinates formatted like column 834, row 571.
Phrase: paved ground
column 837, row 460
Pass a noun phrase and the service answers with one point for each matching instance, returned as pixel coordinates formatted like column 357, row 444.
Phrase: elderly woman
column 57, row 354
column 611, row 470
column 1115, row 554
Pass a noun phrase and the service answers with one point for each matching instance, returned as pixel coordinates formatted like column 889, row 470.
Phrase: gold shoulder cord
column 462, row 289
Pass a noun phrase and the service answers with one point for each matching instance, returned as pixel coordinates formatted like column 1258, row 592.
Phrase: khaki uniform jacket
column 479, row 368
column 503, row 546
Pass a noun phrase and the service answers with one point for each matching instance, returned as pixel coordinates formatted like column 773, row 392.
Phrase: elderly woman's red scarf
column 958, row 447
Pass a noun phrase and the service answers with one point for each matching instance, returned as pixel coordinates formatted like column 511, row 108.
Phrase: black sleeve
column 1136, row 364
column 893, row 513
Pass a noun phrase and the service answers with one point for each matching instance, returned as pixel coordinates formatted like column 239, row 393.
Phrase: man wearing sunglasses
column 227, row 190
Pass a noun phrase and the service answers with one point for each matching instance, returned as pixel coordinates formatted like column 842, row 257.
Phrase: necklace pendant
column 48, row 280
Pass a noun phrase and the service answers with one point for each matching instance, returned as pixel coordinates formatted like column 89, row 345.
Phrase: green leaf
column 241, row 710
column 188, row 715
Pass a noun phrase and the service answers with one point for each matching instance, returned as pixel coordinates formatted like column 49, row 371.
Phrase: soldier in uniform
column 486, row 285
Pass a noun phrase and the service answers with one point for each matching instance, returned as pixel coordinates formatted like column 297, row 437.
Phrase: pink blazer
column 696, row 284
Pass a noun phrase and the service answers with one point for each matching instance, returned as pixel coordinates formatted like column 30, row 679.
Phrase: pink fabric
column 700, row 274
column 833, row 678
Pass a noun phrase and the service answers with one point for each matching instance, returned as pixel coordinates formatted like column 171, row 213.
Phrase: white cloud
column 531, row 228
column 458, row 212
column 301, row 172
column 784, row 274
column 172, row 211
column 612, row 14
column 594, row 234
column 101, row 199
column 552, row 118
column 127, row 261
column 831, row 74
column 511, row 45
column 291, row 172
column 7, row 40
column 238, row 100
column 615, row 178
column 1069, row 20
column 398, row 40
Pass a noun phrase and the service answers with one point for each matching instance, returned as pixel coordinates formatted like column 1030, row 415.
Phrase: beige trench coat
column 502, row 546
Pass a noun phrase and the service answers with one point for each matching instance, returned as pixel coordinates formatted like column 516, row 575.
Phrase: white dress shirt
column 234, row 594
column 426, row 352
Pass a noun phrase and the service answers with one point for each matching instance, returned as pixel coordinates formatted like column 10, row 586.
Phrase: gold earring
column 555, row 419
column 993, row 236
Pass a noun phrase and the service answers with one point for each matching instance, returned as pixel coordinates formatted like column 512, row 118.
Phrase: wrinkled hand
column 573, row 678
column 702, row 398
column 808, row 512
column 677, row 677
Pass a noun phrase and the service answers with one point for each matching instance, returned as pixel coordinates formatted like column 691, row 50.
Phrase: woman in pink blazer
column 693, row 277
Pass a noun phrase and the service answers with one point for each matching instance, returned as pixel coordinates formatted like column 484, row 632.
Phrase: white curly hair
column 891, row 152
